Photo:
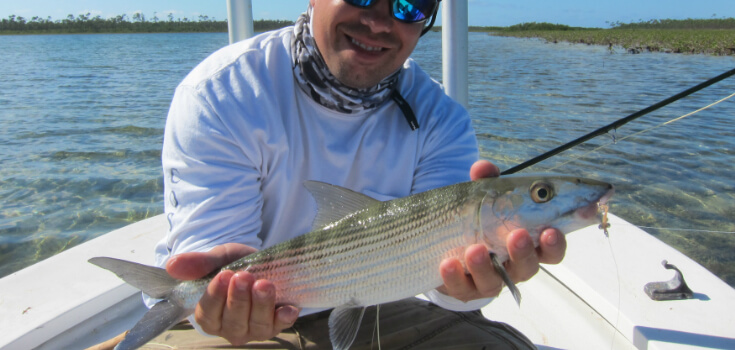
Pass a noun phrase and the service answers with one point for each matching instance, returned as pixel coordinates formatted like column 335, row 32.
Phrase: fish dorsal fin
column 335, row 202
column 344, row 322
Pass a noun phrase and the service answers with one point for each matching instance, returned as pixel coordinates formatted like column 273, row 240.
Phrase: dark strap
column 406, row 109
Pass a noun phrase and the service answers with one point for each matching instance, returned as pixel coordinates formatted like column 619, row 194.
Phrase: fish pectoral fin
column 335, row 202
column 500, row 269
column 344, row 322
column 157, row 320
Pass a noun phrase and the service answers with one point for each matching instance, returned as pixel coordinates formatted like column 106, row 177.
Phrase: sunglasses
column 409, row 11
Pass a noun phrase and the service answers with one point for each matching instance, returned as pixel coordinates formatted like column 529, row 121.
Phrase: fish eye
column 541, row 192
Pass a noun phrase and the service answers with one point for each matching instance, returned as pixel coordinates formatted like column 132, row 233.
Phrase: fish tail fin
column 155, row 282
column 500, row 269
column 157, row 320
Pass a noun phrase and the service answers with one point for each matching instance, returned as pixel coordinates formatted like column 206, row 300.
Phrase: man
column 325, row 100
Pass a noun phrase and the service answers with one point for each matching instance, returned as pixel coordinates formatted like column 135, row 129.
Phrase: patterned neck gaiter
column 314, row 78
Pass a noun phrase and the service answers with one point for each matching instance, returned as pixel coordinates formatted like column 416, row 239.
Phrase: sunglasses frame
column 431, row 16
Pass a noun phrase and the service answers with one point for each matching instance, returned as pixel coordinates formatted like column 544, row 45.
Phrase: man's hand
column 235, row 306
column 482, row 280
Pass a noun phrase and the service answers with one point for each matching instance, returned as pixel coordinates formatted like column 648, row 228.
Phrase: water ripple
column 83, row 119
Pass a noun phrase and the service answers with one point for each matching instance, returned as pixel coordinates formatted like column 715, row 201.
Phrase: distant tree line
column 713, row 23
column 521, row 27
column 85, row 23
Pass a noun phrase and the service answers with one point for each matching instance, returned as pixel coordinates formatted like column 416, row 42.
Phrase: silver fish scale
column 382, row 253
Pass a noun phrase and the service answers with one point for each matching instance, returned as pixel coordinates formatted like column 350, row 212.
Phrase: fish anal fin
column 335, row 202
column 344, row 322
column 157, row 320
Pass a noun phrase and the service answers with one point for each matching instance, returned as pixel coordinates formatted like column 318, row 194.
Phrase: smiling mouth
column 365, row 47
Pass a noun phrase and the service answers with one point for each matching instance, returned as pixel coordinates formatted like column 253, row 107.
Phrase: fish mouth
column 591, row 210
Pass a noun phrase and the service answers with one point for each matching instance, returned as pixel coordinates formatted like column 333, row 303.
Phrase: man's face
column 362, row 46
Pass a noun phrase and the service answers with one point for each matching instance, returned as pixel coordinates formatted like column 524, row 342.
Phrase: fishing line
column 617, row 277
column 619, row 123
column 376, row 327
column 616, row 139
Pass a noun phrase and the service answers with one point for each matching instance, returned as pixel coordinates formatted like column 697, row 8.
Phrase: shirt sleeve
column 211, row 182
column 449, row 145
column 451, row 303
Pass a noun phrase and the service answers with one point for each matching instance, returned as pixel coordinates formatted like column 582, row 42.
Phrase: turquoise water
column 83, row 119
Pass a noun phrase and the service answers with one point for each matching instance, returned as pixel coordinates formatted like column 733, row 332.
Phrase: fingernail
column 479, row 259
column 262, row 294
column 241, row 284
column 224, row 280
column 290, row 314
column 523, row 243
column 552, row 238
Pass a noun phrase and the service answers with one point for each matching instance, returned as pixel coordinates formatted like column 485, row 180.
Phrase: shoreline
column 717, row 42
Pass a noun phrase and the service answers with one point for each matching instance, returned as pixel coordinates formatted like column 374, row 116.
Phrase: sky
column 582, row 13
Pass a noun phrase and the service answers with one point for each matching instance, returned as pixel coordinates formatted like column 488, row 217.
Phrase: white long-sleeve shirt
column 241, row 137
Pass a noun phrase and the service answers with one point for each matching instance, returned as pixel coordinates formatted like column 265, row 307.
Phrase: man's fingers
column 193, row 265
column 264, row 304
column 486, row 280
column 209, row 310
column 236, row 314
column 552, row 246
column 483, row 168
column 285, row 317
column 456, row 282
column 523, row 258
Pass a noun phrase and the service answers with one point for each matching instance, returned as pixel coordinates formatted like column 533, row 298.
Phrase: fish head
column 537, row 202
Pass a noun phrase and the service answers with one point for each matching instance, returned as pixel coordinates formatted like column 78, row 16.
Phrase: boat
column 595, row 299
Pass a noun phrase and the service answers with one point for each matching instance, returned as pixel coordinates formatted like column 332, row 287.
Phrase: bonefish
column 364, row 252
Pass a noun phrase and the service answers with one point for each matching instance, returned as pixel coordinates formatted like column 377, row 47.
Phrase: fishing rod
column 620, row 122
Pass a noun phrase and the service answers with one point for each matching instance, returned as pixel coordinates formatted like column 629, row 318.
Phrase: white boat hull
column 593, row 300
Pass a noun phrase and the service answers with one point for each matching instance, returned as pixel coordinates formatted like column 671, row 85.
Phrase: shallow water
column 83, row 119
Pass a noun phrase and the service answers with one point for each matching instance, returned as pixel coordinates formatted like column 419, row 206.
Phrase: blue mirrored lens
column 412, row 10
column 404, row 10
column 361, row 3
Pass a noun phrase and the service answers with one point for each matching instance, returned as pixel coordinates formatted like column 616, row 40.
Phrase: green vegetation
column 714, row 23
column 708, row 36
column 122, row 24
